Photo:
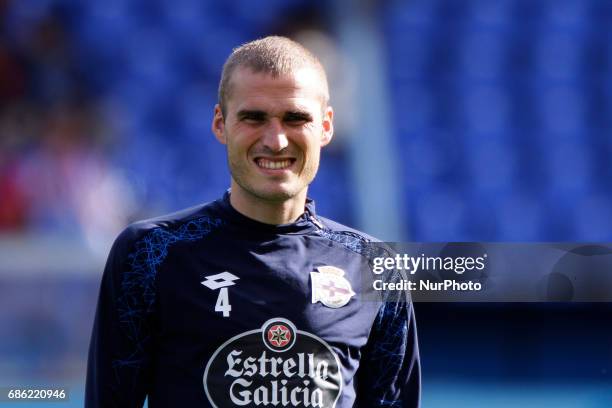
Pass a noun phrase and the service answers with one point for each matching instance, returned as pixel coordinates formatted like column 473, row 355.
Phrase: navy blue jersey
column 208, row 308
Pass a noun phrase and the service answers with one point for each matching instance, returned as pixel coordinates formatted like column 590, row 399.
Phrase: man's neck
column 267, row 212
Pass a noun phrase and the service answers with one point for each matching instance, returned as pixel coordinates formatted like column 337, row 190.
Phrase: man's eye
column 297, row 120
column 253, row 119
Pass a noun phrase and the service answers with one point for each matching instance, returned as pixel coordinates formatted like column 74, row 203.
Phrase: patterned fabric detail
column 138, row 287
column 391, row 325
column 355, row 243
column 390, row 350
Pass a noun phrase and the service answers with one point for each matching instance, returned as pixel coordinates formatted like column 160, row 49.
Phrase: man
column 253, row 300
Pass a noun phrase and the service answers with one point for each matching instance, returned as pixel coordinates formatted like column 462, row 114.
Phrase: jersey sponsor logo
column 276, row 365
column 221, row 281
column 330, row 287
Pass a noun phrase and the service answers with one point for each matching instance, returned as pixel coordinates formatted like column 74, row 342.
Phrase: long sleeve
column 389, row 373
column 119, row 363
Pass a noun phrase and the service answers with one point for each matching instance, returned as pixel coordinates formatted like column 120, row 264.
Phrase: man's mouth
column 274, row 164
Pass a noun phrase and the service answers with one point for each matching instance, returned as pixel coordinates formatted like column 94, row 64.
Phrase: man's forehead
column 294, row 91
column 306, row 80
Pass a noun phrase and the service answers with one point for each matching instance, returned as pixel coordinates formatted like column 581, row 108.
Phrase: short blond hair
column 272, row 55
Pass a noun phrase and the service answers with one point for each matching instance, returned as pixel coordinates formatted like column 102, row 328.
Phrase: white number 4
column 223, row 304
column 221, row 281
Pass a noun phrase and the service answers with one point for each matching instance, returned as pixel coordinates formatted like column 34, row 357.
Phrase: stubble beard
column 240, row 175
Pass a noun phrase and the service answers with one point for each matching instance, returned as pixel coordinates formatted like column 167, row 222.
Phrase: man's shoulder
column 189, row 223
column 336, row 231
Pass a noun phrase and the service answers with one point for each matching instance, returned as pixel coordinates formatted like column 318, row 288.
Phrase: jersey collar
column 305, row 223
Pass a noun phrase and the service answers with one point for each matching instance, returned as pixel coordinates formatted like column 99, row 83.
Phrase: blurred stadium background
column 471, row 120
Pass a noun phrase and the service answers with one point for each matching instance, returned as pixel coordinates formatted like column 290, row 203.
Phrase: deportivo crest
column 276, row 365
column 330, row 287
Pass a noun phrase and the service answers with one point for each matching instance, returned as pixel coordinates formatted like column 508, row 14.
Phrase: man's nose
column 275, row 137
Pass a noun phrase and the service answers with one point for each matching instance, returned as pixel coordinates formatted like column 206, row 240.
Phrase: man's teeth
column 273, row 164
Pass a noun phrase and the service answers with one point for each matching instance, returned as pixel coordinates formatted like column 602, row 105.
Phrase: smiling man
column 253, row 300
column 274, row 125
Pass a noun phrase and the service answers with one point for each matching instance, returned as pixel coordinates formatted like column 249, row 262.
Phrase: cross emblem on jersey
column 330, row 287
column 221, row 281
column 333, row 289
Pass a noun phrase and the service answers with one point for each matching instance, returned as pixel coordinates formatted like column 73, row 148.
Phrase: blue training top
column 209, row 308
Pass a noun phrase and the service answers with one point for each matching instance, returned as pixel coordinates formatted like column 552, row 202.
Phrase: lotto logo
column 221, row 281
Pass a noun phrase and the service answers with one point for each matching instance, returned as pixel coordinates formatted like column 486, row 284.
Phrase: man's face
column 274, row 130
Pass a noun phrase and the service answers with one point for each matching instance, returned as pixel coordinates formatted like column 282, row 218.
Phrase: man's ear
column 328, row 126
column 218, row 125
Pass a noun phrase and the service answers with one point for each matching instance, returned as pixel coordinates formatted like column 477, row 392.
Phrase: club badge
column 330, row 287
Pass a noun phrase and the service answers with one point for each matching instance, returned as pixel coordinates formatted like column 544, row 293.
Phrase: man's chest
column 230, row 286
column 262, row 322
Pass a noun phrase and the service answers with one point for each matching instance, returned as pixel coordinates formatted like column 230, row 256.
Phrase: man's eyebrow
column 297, row 115
column 251, row 114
